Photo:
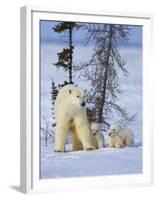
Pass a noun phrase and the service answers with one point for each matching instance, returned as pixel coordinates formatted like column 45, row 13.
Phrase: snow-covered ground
column 104, row 161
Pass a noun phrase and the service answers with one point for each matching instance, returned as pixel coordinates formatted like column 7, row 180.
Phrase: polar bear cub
column 120, row 137
column 97, row 136
column 71, row 117
column 115, row 141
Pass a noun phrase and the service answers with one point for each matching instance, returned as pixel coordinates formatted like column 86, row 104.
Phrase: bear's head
column 94, row 128
column 114, row 130
column 77, row 97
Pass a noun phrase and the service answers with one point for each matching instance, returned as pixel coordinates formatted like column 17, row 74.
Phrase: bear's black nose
column 109, row 134
column 83, row 104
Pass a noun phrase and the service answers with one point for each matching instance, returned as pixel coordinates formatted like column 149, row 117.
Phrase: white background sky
column 9, row 105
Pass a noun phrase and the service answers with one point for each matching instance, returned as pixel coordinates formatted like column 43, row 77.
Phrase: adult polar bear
column 71, row 116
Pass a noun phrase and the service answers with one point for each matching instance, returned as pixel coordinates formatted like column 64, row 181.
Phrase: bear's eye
column 78, row 96
column 113, row 129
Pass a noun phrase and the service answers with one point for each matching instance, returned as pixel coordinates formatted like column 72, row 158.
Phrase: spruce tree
column 54, row 92
column 65, row 57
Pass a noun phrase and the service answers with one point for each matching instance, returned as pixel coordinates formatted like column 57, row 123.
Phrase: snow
column 106, row 161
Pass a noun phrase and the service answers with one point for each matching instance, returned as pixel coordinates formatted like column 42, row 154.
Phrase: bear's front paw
column 119, row 146
column 59, row 151
column 90, row 148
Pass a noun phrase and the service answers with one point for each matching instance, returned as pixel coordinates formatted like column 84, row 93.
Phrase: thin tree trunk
column 71, row 51
column 46, row 140
column 102, row 103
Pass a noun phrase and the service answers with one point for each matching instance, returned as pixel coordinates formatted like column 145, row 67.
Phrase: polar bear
column 71, row 117
column 122, row 136
column 115, row 141
column 97, row 136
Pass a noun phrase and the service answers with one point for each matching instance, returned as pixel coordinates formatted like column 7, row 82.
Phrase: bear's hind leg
column 129, row 140
column 85, row 137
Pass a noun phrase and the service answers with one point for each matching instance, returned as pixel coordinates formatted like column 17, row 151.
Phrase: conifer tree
column 65, row 57
column 54, row 92
column 103, row 68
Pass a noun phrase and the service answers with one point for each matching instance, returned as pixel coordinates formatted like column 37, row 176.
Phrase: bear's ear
column 70, row 91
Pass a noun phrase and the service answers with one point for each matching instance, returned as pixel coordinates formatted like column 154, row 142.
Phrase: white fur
column 115, row 141
column 71, row 117
column 98, row 138
column 125, row 134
